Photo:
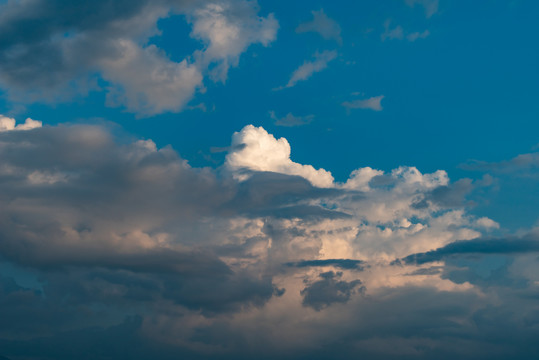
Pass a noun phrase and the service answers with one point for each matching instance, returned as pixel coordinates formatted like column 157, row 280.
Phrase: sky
column 232, row 179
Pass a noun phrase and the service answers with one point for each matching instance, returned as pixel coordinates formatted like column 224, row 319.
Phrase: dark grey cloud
column 481, row 246
column 347, row 264
column 329, row 290
column 267, row 193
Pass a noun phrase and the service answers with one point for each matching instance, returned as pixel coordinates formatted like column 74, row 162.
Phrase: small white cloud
column 417, row 35
column 431, row 6
column 8, row 124
column 373, row 103
column 398, row 33
column 323, row 25
column 308, row 68
column 291, row 120
column 391, row 34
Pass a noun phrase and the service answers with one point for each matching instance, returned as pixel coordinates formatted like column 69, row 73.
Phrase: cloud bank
column 120, row 243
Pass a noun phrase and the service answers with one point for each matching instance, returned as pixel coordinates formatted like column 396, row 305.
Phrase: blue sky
column 411, row 125
column 465, row 91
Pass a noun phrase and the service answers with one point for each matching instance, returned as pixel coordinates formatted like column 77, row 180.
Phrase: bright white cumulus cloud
column 8, row 124
column 254, row 149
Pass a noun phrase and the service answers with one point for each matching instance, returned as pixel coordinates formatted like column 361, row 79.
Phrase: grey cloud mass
column 114, row 248
column 50, row 49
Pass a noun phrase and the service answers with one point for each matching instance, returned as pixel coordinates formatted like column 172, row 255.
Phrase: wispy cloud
column 323, row 25
column 395, row 33
column 430, row 6
column 417, row 35
column 291, row 120
column 308, row 68
column 372, row 103
column 398, row 33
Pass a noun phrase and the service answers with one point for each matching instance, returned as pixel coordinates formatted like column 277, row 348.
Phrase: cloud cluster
column 263, row 256
column 48, row 48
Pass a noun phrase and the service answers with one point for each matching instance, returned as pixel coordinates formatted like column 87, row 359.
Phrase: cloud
column 262, row 152
column 127, row 241
column 329, row 290
column 339, row 263
column 398, row 33
column 372, row 103
column 431, row 6
column 308, row 68
column 417, row 35
column 8, row 124
column 391, row 34
column 520, row 165
column 328, row 28
column 477, row 246
column 290, row 120
column 45, row 57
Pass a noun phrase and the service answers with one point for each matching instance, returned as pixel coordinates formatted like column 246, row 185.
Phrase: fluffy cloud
column 323, row 25
column 256, row 150
column 308, row 68
column 127, row 240
column 47, row 48
column 7, row 124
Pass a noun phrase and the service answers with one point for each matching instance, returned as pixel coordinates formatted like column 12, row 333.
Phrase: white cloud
column 417, row 35
column 308, row 68
column 227, row 29
column 8, row 124
column 323, row 25
column 372, row 103
column 256, row 150
column 290, row 119
column 398, row 33
column 391, row 34
column 431, row 6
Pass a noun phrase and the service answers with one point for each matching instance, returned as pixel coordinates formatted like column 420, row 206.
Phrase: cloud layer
column 225, row 263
